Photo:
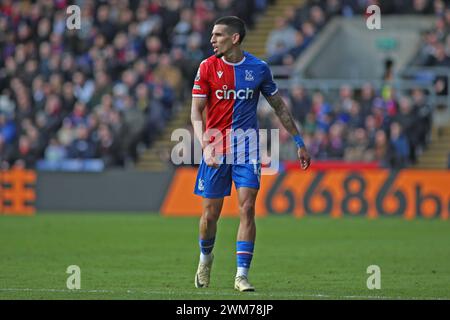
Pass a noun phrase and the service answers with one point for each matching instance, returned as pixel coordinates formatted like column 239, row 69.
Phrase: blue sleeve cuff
column 299, row 141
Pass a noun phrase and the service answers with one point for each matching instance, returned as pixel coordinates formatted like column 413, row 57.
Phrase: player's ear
column 236, row 38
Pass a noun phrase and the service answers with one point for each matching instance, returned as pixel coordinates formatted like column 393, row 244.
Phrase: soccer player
column 228, row 85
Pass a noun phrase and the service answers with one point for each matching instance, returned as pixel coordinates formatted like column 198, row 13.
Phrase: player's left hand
column 305, row 158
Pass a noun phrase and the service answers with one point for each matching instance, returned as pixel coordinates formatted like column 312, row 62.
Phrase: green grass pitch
column 146, row 256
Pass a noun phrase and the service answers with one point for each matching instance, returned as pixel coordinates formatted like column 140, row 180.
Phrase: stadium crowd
column 355, row 125
column 359, row 124
column 297, row 28
column 103, row 91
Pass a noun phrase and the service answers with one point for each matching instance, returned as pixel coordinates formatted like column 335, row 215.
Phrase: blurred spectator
column 381, row 148
column 310, row 124
column 55, row 151
column 5, row 151
column 358, row 145
column 84, row 88
column 420, row 7
column 24, row 154
column 225, row 7
column 281, row 38
column 102, row 86
column 135, row 121
column 301, row 103
column 439, row 58
column 322, row 111
column 317, row 17
column 169, row 74
column 398, row 147
column 409, row 124
column 354, row 118
column 82, row 147
column 366, row 99
column 371, row 129
column 423, row 112
column 336, row 147
column 108, row 148
column 319, row 145
column 66, row 134
column 79, row 114
column 7, row 129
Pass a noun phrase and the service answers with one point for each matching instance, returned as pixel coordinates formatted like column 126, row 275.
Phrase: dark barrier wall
column 107, row 191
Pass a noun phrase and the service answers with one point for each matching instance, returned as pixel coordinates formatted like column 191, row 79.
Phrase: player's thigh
column 246, row 175
column 213, row 183
column 247, row 180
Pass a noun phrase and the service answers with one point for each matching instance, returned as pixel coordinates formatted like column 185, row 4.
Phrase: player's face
column 222, row 41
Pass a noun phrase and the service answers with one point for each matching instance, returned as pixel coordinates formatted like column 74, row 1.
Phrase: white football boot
column 241, row 284
column 203, row 273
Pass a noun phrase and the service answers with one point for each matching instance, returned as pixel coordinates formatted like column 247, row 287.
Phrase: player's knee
column 209, row 218
column 248, row 209
column 211, row 214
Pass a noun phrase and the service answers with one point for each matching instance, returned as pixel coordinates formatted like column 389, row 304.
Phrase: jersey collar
column 234, row 64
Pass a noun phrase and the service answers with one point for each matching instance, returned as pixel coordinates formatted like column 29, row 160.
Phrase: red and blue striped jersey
column 232, row 91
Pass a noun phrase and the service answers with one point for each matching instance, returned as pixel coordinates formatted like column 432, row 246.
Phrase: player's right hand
column 209, row 155
column 305, row 158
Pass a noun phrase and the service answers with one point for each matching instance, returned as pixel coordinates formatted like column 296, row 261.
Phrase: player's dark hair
column 235, row 24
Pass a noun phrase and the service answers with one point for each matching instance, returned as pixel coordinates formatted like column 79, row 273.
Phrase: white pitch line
column 206, row 293
column 54, row 290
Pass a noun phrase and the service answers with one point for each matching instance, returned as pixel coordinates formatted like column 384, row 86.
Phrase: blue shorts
column 216, row 182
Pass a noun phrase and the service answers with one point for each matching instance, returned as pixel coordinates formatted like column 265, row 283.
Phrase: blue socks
column 244, row 255
column 206, row 247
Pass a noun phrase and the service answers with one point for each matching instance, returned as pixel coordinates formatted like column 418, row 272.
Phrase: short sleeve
column 268, row 86
column 201, row 85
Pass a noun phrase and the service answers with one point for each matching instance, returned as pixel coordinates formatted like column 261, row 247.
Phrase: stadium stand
column 388, row 126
